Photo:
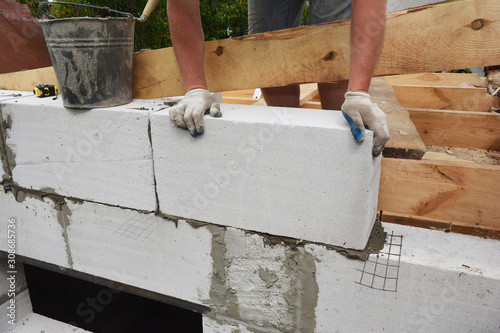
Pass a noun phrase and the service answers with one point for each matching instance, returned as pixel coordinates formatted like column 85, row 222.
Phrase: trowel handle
column 148, row 10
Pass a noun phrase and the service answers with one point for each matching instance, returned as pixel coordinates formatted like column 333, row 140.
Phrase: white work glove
column 188, row 113
column 360, row 112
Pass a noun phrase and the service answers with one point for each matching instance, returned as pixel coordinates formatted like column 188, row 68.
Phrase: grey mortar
column 6, row 153
column 268, row 277
column 157, row 210
column 302, row 297
column 374, row 245
column 61, row 207
column 224, row 299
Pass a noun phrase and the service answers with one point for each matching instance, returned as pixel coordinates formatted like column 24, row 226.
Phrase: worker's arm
column 188, row 41
column 367, row 35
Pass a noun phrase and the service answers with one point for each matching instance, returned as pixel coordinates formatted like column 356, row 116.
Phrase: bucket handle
column 50, row 16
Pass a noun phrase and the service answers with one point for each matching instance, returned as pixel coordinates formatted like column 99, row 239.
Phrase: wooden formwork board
column 465, row 129
column 444, row 190
column 437, row 79
column 473, row 229
column 445, row 98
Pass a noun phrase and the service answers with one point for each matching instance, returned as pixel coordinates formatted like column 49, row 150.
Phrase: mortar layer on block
column 6, row 154
column 290, row 172
column 269, row 287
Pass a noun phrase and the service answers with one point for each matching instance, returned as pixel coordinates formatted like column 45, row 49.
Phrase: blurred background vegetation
column 220, row 18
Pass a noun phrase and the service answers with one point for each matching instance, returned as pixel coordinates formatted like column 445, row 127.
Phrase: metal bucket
column 92, row 59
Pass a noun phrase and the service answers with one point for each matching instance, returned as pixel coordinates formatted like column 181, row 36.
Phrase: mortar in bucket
column 92, row 57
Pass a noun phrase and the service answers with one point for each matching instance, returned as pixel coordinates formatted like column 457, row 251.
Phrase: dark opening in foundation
column 97, row 308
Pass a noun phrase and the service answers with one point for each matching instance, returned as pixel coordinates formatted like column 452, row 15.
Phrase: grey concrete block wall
column 256, row 281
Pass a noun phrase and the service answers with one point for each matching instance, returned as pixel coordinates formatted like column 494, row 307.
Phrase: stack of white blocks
column 256, row 173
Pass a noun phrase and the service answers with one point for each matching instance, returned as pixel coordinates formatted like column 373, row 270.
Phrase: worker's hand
column 188, row 113
column 360, row 112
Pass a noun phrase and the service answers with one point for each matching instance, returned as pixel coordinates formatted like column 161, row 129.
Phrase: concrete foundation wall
column 251, row 280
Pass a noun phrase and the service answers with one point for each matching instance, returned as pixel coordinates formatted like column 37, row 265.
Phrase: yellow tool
column 45, row 90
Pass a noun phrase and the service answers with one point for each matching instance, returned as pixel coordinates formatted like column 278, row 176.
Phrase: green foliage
column 220, row 18
column 33, row 6
column 464, row 70
column 305, row 15
column 224, row 18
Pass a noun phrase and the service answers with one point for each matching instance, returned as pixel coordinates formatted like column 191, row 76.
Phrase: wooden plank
column 458, row 128
column 472, row 229
column 405, row 141
column 247, row 93
column 307, row 92
column 445, row 190
column 312, row 105
column 244, row 97
column 437, row 79
column 26, row 80
column 446, row 98
column 239, row 100
column 432, row 155
column 456, row 34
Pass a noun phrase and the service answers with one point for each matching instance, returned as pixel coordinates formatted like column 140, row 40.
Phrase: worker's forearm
column 367, row 36
column 188, row 41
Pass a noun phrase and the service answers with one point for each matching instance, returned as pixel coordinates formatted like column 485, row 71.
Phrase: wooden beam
column 405, row 141
column 445, row 190
column 472, row 229
column 244, row 97
column 446, row 98
column 458, row 128
column 27, row 80
column 456, row 34
column 312, row 105
column 307, row 92
column 437, row 79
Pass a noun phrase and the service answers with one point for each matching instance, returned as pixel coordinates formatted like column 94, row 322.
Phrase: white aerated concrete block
column 38, row 226
column 12, row 94
column 211, row 325
column 289, row 172
column 37, row 323
column 15, row 312
column 446, row 283
column 12, row 278
column 15, row 303
column 142, row 250
column 101, row 155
